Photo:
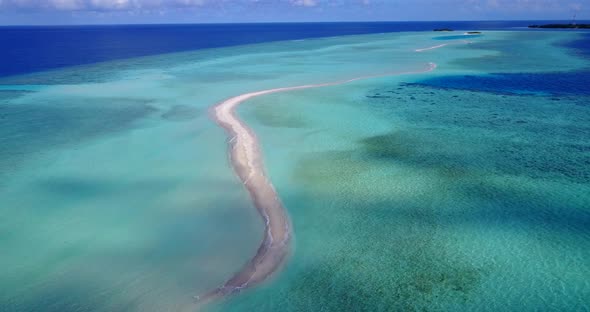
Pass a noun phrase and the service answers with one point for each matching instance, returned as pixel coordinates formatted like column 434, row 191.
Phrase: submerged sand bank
column 442, row 45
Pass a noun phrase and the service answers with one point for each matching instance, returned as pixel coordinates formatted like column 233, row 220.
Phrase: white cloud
column 520, row 5
column 305, row 3
column 98, row 5
column 576, row 6
column 66, row 4
column 466, row 8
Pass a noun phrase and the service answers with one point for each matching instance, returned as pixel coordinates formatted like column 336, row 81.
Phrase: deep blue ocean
column 38, row 48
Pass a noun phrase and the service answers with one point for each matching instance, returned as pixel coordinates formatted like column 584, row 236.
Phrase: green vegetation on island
column 573, row 26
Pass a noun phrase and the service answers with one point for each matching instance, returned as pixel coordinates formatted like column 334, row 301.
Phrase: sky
column 34, row 12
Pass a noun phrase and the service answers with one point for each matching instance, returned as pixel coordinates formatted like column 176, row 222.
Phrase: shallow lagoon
column 420, row 193
column 404, row 192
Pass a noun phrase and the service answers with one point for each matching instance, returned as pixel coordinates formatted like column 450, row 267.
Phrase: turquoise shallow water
column 405, row 193
column 406, row 196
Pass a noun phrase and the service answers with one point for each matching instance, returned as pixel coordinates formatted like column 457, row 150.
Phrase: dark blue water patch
column 581, row 46
column 565, row 83
column 457, row 37
column 32, row 49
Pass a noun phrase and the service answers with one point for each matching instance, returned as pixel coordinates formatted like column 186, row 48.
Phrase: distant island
column 573, row 26
column 443, row 29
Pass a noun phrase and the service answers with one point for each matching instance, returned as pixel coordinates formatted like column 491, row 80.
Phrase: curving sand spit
column 246, row 161
column 442, row 45
column 432, row 48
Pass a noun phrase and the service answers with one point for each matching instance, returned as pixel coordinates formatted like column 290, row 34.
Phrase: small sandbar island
column 562, row 26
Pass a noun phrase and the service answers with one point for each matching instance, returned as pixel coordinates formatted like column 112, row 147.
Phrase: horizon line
column 279, row 22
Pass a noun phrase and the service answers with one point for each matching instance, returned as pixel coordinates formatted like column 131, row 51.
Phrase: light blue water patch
column 29, row 129
column 523, row 52
column 31, row 88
